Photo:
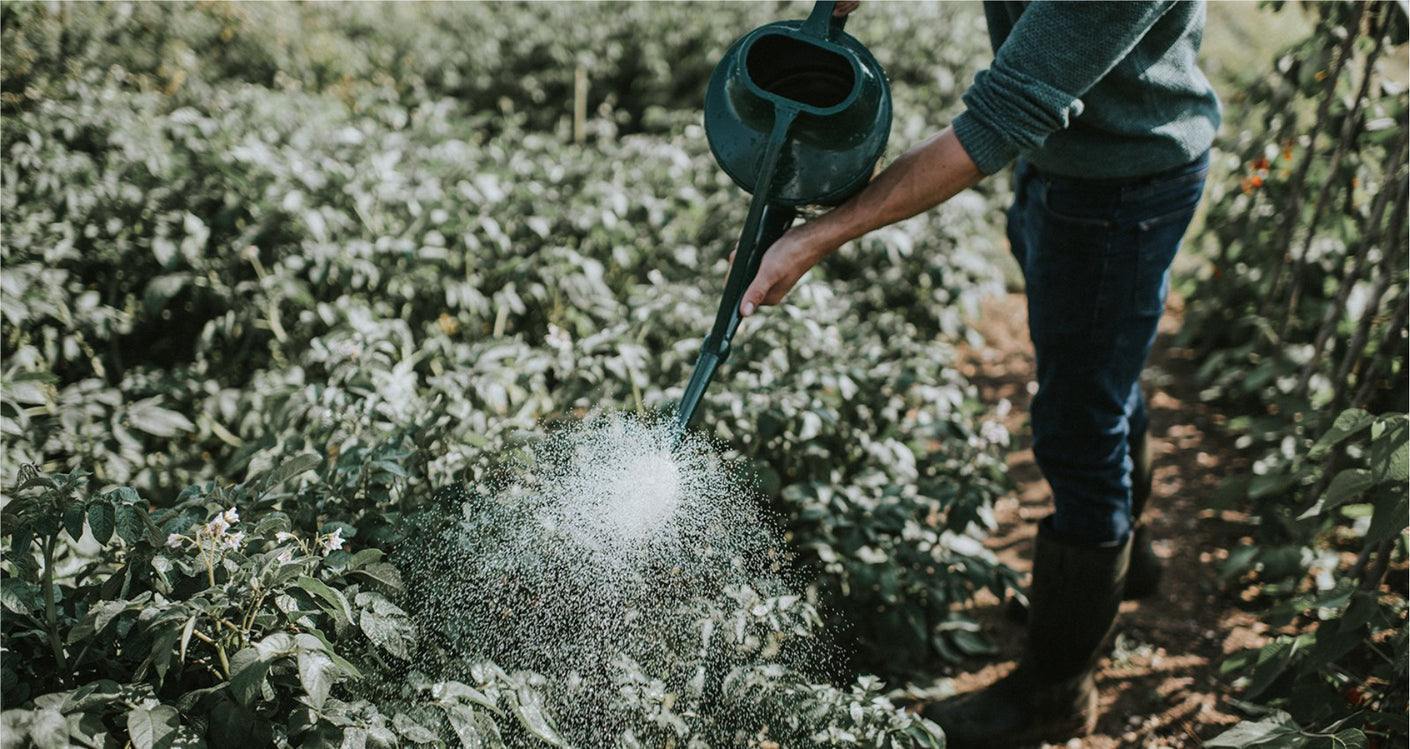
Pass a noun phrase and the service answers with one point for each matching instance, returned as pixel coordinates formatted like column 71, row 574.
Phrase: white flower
column 283, row 536
column 285, row 556
column 994, row 433
column 334, row 540
column 234, row 540
column 218, row 525
column 230, row 516
column 1004, row 408
column 175, row 540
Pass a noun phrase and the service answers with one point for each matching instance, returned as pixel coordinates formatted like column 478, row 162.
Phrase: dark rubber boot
column 1146, row 568
column 1050, row 696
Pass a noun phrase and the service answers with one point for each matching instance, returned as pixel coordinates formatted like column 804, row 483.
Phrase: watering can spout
column 764, row 226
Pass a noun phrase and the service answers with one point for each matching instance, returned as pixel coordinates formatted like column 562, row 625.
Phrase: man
column 1110, row 120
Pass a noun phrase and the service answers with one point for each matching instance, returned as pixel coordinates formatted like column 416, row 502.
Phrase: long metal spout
column 765, row 224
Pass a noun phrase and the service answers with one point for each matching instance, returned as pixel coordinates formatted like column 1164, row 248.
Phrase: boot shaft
column 1073, row 604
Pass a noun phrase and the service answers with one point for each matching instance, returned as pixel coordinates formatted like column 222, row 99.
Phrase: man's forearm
column 923, row 177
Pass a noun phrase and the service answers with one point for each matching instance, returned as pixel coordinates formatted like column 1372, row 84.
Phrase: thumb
column 753, row 296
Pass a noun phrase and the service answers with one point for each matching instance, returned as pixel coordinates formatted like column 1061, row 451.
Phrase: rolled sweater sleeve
column 1054, row 54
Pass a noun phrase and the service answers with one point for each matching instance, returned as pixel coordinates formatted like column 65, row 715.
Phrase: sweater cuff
column 986, row 148
column 1008, row 112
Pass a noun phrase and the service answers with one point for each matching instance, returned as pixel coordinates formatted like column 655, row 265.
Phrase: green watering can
column 797, row 113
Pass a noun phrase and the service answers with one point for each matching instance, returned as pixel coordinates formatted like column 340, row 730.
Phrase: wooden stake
column 580, row 90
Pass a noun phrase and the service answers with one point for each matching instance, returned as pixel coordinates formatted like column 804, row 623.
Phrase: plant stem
column 207, row 557
column 51, row 612
column 224, row 661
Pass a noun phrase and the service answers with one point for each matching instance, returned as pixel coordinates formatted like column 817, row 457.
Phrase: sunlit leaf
column 153, row 727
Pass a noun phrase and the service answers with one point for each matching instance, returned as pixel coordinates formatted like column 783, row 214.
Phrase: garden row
column 1299, row 322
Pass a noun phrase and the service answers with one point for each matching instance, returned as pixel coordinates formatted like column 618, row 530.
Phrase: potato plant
column 267, row 293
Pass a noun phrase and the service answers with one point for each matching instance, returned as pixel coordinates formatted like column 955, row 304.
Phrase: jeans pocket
column 1072, row 275
column 1158, row 241
column 1076, row 205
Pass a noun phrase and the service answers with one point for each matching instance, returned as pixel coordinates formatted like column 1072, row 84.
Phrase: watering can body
column 797, row 113
column 838, row 91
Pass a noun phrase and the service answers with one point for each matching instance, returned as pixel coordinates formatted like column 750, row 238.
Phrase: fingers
column 845, row 7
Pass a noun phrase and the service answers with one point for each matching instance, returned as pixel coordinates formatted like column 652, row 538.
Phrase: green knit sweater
column 1091, row 89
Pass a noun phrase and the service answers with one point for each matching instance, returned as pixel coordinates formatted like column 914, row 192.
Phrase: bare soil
column 1160, row 684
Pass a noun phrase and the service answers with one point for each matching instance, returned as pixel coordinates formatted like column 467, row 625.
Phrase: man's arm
column 922, row 178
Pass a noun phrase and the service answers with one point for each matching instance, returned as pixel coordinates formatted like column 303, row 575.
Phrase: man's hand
column 922, row 178
column 799, row 249
column 844, row 7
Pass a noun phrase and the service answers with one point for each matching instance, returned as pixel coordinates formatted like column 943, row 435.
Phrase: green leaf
column 49, row 729
column 247, row 672
column 239, row 726
column 97, row 694
column 365, row 557
column 317, row 674
column 163, row 647
column 1389, row 520
column 104, row 613
column 1273, row 660
column 1270, row 732
column 275, row 646
column 129, row 526
column 974, row 643
column 148, row 417
column 395, row 634
column 413, row 731
column 474, row 729
column 153, row 728
column 1345, row 486
column 73, row 520
column 289, row 469
column 455, row 691
column 383, row 573
column 1347, row 423
column 1390, row 453
column 306, row 641
column 18, row 596
column 529, row 711
column 390, row 467
column 124, row 495
column 1269, row 484
column 101, row 520
column 186, row 631
column 337, row 603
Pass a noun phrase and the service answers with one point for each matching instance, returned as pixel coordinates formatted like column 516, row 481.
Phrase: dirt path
column 1160, row 684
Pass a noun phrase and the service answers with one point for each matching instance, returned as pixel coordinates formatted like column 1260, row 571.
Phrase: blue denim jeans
column 1096, row 258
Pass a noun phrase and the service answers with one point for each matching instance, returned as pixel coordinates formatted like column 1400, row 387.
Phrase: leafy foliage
column 1307, row 345
column 307, row 278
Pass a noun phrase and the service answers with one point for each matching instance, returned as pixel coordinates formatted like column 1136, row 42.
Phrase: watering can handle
column 821, row 23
